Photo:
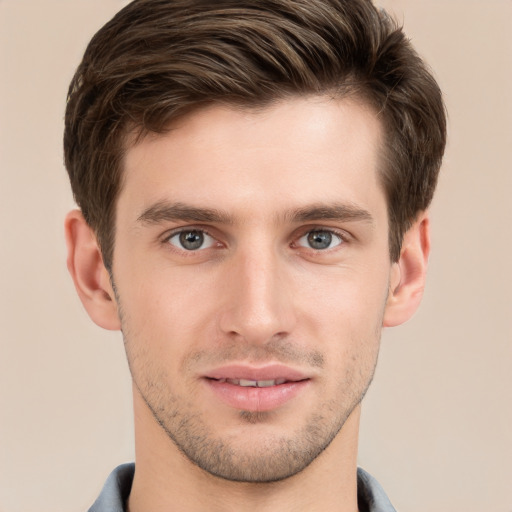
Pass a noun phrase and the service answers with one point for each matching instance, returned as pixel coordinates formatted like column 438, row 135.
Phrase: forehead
column 300, row 150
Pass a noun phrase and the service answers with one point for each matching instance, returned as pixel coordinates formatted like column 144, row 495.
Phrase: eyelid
column 188, row 227
column 341, row 233
column 165, row 239
column 334, row 241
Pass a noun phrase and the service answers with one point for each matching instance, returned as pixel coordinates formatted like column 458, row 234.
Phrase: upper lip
column 257, row 373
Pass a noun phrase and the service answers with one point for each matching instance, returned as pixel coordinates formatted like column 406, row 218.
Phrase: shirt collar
column 370, row 495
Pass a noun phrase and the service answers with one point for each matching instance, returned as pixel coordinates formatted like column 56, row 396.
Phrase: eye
column 191, row 240
column 320, row 239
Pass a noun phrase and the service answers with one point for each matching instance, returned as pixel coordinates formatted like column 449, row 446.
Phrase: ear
column 91, row 278
column 408, row 274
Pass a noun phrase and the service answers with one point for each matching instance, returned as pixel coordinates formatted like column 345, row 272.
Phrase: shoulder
column 116, row 490
column 370, row 495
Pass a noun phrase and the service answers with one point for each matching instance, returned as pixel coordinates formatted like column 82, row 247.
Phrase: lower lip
column 256, row 399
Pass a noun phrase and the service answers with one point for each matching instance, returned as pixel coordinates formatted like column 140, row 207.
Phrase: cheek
column 346, row 320
column 345, row 298
column 351, row 354
column 164, row 311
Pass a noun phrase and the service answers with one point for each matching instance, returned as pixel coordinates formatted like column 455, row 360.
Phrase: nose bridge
column 259, row 304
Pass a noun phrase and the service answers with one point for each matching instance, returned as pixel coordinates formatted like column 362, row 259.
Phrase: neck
column 165, row 479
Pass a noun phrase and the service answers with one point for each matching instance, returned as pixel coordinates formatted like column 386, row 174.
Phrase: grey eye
column 320, row 239
column 191, row 240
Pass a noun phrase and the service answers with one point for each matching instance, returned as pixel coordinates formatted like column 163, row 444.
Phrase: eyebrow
column 346, row 212
column 164, row 211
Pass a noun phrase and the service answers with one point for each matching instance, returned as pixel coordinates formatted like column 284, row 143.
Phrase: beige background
column 437, row 423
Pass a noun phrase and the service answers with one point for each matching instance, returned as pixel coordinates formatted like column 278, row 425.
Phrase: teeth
column 248, row 383
column 266, row 383
column 245, row 383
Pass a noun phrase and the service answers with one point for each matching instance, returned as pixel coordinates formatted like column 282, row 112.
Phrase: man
column 253, row 180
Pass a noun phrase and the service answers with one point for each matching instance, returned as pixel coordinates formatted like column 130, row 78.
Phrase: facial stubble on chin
column 276, row 458
column 271, row 459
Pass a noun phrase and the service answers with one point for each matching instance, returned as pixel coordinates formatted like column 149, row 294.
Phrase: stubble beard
column 277, row 457
column 271, row 458
column 274, row 459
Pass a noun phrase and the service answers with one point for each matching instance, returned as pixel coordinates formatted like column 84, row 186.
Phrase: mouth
column 256, row 389
column 246, row 383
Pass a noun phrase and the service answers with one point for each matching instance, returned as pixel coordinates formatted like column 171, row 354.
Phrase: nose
column 257, row 305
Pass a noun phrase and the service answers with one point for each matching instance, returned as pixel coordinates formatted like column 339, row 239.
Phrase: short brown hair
column 157, row 60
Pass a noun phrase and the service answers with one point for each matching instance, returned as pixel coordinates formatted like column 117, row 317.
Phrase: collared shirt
column 370, row 495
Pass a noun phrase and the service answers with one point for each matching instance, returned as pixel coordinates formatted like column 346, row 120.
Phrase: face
column 251, row 270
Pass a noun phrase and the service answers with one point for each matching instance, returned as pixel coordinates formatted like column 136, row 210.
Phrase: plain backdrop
column 437, row 423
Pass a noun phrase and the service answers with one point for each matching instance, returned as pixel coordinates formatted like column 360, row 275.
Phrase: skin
column 256, row 191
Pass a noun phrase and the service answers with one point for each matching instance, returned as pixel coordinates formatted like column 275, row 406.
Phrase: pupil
column 191, row 240
column 319, row 239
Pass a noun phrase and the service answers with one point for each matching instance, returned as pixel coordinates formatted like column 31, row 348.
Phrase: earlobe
column 91, row 278
column 408, row 274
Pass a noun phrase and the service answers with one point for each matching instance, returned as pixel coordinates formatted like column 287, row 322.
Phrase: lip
column 256, row 399
column 267, row 372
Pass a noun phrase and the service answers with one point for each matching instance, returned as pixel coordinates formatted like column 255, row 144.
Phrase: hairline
column 135, row 134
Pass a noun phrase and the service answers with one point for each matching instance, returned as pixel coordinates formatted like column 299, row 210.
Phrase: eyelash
column 341, row 235
column 192, row 229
